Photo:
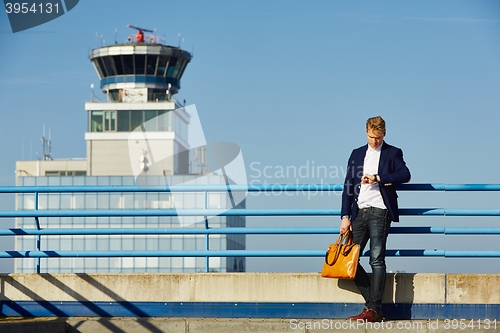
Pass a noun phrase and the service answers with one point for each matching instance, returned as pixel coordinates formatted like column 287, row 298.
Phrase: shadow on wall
column 10, row 306
column 398, row 295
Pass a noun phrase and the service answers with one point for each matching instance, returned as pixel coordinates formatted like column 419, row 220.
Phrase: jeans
column 372, row 224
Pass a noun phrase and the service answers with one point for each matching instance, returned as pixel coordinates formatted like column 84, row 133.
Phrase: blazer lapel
column 383, row 157
column 361, row 158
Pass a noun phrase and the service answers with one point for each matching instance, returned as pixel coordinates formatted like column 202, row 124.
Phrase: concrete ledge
column 472, row 288
column 39, row 325
column 204, row 325
column 244, row 295
column 236, row 287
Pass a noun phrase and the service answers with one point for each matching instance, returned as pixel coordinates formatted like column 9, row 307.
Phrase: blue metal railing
column 207, row 231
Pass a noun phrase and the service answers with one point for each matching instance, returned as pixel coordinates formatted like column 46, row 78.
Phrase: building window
column 96, row 121
column 103, row 121
column 164, row 120
column 128, row 120
column 150, row 120
column 110, row 121
column 65, row 173
column 136, row 119
column 123, row 121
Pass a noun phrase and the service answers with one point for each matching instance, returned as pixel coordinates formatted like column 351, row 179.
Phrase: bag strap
column 338, row 247
column 348, row 244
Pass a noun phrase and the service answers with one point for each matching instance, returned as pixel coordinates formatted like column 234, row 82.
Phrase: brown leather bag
column 341, row 259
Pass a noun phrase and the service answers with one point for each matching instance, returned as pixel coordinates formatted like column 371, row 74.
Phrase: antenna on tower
column 139, row 37
column 49, row 146
column 43, row 142
column 46, row 146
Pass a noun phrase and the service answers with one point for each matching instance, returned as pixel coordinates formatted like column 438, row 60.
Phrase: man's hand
column 367, row 179
column 345, row 225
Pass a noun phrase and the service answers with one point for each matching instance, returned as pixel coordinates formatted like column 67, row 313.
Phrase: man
column 369, row 204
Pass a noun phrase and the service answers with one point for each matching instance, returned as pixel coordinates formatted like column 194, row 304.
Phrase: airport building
column 140, row 133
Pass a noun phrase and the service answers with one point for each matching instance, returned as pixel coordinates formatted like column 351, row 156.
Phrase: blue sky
column 292, row 83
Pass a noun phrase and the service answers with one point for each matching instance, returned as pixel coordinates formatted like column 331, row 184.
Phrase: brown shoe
column 359, row 316
column 369, row 315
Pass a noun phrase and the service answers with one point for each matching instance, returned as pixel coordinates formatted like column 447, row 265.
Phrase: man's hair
column 376, row 123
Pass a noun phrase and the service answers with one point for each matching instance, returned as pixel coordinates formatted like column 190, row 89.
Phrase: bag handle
column 340, row 240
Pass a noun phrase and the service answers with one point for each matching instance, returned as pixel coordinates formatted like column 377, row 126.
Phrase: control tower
column 138, row 130
column 139, row 78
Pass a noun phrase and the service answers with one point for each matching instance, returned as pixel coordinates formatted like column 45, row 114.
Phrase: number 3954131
column 31, row 8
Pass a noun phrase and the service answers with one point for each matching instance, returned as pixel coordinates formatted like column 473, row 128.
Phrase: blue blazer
column 392, row 171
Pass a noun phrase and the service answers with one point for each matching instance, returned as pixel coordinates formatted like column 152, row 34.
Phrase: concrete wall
column 39, row 168
column 245, row 287
column 331, row 302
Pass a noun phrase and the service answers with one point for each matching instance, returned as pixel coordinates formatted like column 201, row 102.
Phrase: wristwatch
column 375, row 178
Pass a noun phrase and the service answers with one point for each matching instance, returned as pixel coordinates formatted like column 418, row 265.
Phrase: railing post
column 207, row 240
column 38, row 237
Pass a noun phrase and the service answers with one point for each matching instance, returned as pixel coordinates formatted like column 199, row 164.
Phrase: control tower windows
column 99, row 66
column 140, row 64
column 108, row 66
column 151, row 61
column 171, row 66
column 128, row 64
column 182, row 68
column 118, row 64
column 177, row 68
column 162, row 65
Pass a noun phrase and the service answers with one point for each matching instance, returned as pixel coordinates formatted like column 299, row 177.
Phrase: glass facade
column 128, row 120
column 155, row 200
column 140, row 64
